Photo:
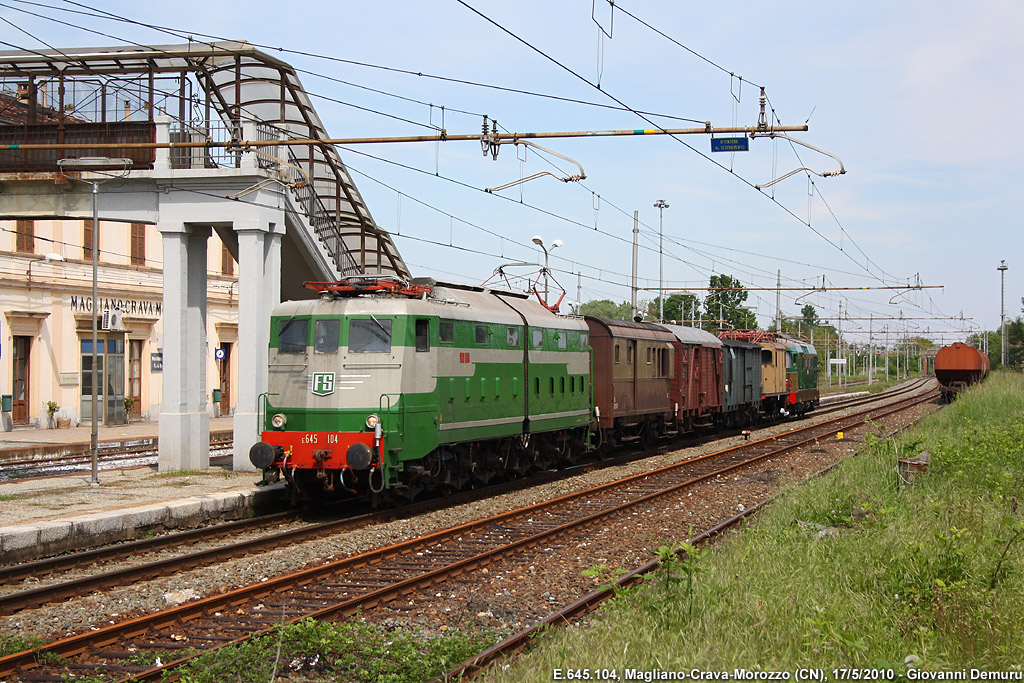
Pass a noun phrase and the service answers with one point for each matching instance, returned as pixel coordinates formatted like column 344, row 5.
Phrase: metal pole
column 778, row 302
column 94, row 438
column 545, row 274
column 1002, row 311
column 636, row 237
column 661, row 205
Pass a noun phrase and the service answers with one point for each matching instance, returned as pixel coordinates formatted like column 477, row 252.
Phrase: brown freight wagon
column 957, row 366
column 632, row 373
column 697, row 377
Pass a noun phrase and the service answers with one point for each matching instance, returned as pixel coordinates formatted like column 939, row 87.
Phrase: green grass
column 354, row 651
column 874, row 574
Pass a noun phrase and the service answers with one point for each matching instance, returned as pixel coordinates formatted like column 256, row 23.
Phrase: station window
column 325, row 336
column 369, row 336
column 292, row 335
column 446, row 332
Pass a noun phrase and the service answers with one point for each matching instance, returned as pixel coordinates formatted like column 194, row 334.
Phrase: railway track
column 260, row 535
column 364, row 581
column 78, row 459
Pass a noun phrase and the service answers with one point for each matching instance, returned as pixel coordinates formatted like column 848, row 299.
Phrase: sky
column 915, row 98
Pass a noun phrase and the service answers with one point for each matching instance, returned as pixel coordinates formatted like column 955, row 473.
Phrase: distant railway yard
column 489, row 561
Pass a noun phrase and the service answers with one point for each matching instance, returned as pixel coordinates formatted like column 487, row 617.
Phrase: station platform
column 44, row 516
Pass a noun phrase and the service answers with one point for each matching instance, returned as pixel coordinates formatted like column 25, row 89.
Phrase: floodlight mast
column 114, row 168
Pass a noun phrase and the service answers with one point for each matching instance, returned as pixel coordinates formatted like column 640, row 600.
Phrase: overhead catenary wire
column 588, row 226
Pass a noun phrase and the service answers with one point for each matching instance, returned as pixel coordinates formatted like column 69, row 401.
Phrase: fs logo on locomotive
column 323, row 383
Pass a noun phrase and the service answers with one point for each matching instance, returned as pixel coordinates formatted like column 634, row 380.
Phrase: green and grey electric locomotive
column 381, row 386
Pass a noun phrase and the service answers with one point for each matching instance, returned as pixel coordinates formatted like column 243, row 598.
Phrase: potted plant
column 129, row 403
column 51, row 408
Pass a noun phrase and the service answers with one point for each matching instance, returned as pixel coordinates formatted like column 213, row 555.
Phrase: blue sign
column 219, row 354
column 740, row 144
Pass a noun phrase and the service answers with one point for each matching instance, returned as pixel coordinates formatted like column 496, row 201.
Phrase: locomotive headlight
column 279, row 421
column 372, row 421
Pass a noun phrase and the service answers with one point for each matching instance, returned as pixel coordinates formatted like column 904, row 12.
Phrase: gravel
column 505, row 597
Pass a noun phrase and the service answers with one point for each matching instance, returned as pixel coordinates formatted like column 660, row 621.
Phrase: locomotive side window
column 563, row 339
column 538, row 338
column 422, row 334
column 446, row 332
column 766, row 356
column 481, row 334
column 369, row 336
column 513, row 336
column 325, row 336
column 584, row 340
column 617, row 354
column 292, row 335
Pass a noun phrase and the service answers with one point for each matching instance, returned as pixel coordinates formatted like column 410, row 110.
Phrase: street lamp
column 116, row 168
column 1002, row 268
column 661, row 205
column 540, row 243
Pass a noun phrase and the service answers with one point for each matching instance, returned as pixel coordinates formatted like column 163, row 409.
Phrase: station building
column 46, row 322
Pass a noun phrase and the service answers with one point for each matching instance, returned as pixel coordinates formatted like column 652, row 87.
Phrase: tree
column 810, row 316
column 722, row 306
column 606, row 308
column 678, row 308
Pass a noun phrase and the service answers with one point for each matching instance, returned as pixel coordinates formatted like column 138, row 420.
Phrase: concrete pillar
column 259, row 290
column 162, row 161
column 184, row 427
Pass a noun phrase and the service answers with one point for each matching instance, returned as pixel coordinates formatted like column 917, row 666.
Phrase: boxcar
column 741, row 382
column 696, row 387
column 632, row 367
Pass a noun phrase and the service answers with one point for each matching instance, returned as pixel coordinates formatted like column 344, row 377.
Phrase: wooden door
column 20, row 380
column 225, row 380
column 135, row 376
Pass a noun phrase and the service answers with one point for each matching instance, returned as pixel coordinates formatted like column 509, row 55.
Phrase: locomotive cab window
column 446, row 332
column 513, row 336
column 481, row 334
column 369, row 336
column 325, row 336
column 766, row 356
column 422, row 334
column 538, row 338
column 563, row 339
column 292, row 335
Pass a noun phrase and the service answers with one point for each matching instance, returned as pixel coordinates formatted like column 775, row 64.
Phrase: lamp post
column 119, row 168
column 1002, row 268
column 661, row 205
column 540, row 243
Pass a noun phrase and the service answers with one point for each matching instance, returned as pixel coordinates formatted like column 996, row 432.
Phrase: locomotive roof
column 446, row 300
column 693, row 335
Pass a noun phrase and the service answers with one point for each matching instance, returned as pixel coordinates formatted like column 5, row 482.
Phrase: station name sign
column 126, row 306
column 733, row 144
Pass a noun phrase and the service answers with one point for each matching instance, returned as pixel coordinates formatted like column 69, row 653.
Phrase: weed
column 350, row 651
column 9, row 644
